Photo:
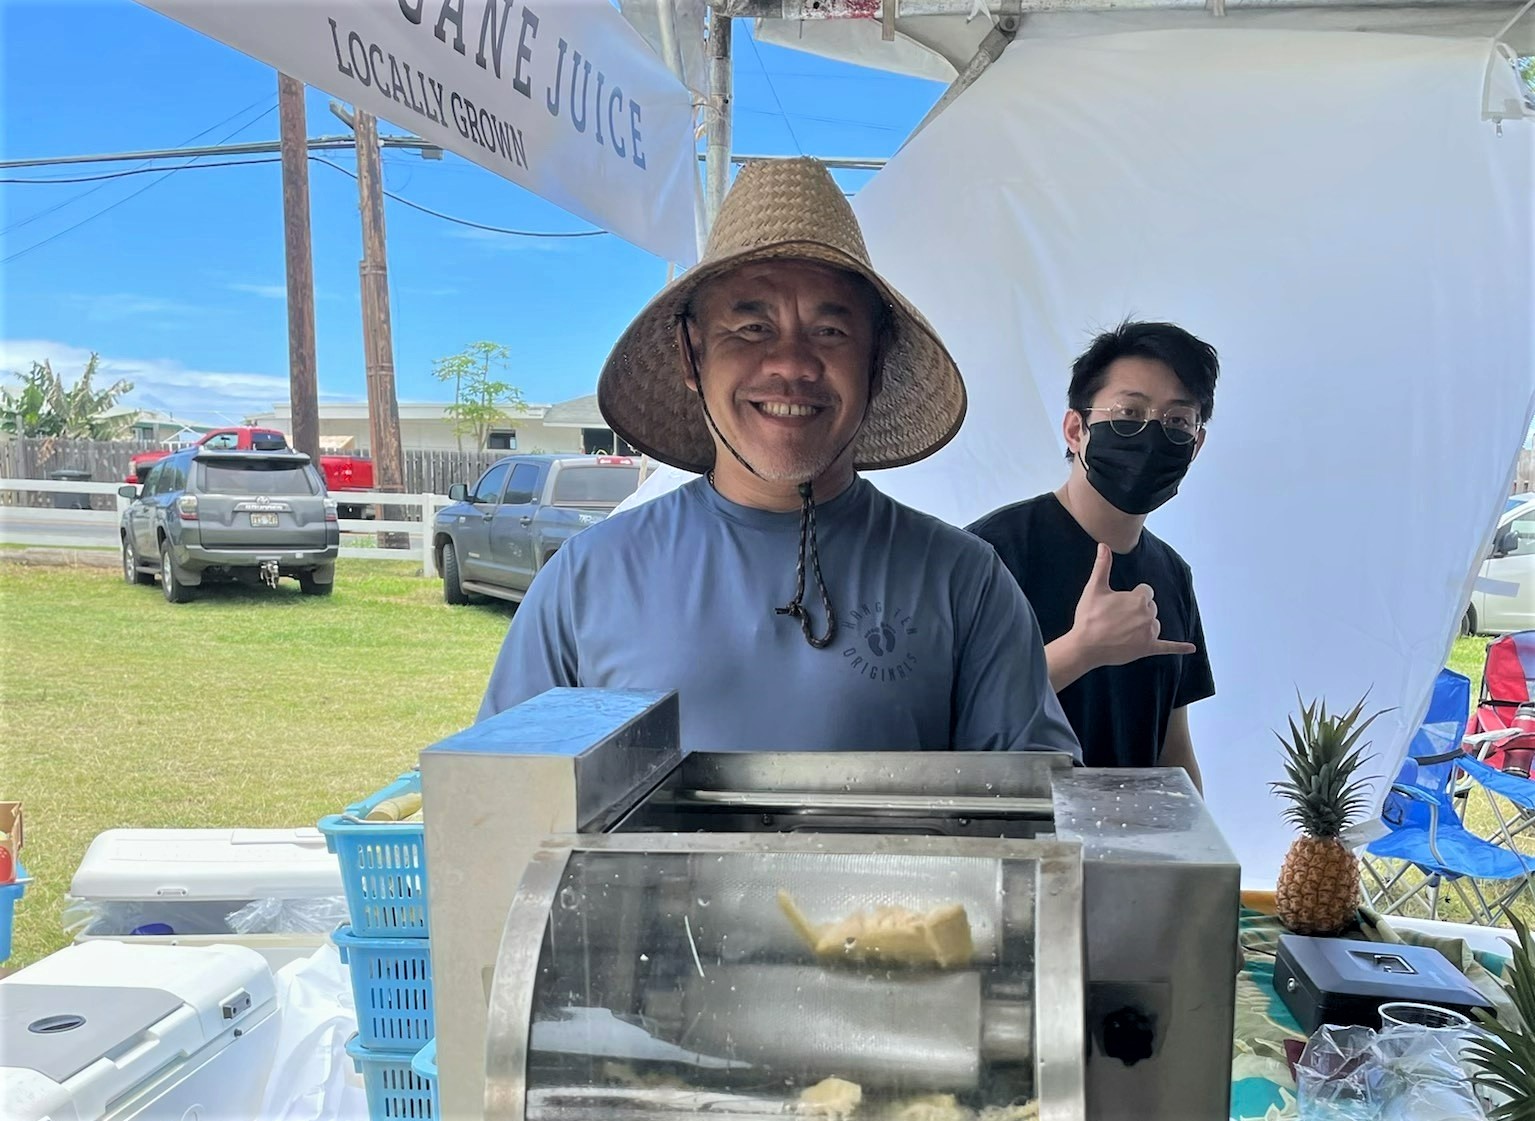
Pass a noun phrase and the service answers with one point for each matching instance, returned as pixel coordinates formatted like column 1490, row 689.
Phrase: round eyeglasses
column 1180, row 423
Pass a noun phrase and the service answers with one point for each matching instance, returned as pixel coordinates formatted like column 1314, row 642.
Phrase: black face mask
column 1135, row 474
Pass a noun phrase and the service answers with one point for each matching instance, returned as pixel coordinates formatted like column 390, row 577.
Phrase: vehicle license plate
column 263, row 519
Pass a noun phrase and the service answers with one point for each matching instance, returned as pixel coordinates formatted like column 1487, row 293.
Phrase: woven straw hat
column 780, row 210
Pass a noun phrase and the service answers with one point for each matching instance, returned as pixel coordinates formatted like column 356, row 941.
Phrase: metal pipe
column 717, row 150
column 671, row 50
column 868, row 9
column 991, row 48
column 845, row 163
column 922, row 805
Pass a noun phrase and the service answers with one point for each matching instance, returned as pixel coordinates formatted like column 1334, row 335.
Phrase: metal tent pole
column 718, row 119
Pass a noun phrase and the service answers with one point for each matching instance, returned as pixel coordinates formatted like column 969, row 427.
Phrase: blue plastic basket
column 395, row 1091
column 383, row 866
column 391, row 990
column 9, row 893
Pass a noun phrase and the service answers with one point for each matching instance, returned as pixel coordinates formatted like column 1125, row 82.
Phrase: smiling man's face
column 786, row 352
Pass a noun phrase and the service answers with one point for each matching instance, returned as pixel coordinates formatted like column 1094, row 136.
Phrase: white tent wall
column 1332, row 211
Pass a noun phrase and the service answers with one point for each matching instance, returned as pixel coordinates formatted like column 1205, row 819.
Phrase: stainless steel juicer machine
column 622, row 931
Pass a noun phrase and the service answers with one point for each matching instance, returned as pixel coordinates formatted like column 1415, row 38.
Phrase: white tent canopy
column 1338, row 213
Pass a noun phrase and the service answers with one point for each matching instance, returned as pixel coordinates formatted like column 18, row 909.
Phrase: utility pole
column 303, row 390
column 378, row 344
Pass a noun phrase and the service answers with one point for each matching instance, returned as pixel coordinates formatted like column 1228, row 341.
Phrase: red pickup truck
column 342, row 472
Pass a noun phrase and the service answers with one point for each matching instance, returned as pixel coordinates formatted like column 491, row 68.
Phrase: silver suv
column 205, row 514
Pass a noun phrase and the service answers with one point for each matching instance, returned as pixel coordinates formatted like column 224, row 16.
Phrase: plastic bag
column 312, row 1077
column 289, row 916
column 119, row 918
column 1407, row 1073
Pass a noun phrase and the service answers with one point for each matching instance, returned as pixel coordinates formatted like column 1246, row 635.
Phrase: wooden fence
column 106, row 461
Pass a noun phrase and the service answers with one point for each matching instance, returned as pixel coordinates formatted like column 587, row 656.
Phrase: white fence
column 84, row 529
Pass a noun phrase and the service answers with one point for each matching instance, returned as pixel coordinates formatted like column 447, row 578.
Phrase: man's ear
column 1199, row 442
column 687, row 349
column 1074, row 429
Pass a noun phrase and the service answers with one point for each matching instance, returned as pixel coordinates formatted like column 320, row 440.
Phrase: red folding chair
column 1508, row 681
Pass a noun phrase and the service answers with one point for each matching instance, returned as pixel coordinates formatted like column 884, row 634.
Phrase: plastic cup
column 1404, row 1013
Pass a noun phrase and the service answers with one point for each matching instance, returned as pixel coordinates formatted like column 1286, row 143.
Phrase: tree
column 480, row 399
column 43, row 405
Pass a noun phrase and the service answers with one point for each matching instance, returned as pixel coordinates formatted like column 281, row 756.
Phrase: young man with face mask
column 791, row 605
column 1116, row 604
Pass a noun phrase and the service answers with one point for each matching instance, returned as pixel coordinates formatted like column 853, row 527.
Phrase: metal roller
column 736, row 915
column 931, row 1031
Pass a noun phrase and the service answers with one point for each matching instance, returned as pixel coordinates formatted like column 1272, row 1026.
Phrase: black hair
column 1193, row 361
column 883, row 321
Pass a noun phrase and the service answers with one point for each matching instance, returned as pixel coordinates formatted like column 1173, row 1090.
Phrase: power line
column 466, row 221
column 774, row 91
column 316, row 159
column 52, row 181
column 255, row 147
column 414, row 143
column 76, row 198
column 126, row 198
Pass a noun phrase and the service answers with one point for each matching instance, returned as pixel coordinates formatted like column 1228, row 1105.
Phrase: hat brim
column 644, row 395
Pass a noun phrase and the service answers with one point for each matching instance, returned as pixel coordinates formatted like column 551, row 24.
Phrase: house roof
column 408, row 410
column 155, row 417
column 578, row 412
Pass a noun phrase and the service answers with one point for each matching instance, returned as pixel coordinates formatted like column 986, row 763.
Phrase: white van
column 1502, row 610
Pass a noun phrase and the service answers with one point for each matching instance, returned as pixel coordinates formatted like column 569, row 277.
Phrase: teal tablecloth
column 1262, row 1088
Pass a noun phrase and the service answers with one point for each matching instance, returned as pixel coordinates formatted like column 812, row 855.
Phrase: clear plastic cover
column 750, row 983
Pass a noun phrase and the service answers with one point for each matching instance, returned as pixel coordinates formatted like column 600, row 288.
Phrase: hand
column 1115, row 628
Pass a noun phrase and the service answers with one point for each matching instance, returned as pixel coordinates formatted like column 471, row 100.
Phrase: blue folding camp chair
column 1426, row 834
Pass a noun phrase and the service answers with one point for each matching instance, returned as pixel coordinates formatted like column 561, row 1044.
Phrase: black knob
column 1128, row 1034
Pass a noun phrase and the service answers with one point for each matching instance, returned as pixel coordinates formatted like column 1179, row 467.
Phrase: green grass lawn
column 246, row 707
column 1467, row 657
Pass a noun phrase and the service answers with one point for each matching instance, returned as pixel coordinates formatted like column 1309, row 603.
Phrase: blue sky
column 181, row 290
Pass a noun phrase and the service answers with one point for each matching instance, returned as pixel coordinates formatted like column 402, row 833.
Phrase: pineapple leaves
column 1506, row 1055
column 1322, row 756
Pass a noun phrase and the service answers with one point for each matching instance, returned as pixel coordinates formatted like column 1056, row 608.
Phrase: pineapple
column 1506, row 1055
column 1318, row 889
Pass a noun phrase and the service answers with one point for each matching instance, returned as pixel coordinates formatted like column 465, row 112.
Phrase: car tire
column 309, row 586
column 452, row 587
column 1468, row 623
column 131, row 573
column 175, row 591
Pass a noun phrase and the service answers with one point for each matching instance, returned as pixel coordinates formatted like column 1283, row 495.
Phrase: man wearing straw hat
column 790, row 603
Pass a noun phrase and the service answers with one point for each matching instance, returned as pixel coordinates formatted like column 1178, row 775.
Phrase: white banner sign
column 562, row 97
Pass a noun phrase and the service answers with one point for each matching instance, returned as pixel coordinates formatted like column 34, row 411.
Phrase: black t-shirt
column 1120, row 713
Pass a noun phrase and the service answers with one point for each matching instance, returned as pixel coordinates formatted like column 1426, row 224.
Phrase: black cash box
column 1344, row 981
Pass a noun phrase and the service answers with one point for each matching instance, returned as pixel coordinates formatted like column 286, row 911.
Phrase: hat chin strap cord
column 808, row 546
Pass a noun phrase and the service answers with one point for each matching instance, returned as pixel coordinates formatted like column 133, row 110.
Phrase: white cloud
column 509, row 243
column 267, row 291
column 158, row 383
column 113, row 306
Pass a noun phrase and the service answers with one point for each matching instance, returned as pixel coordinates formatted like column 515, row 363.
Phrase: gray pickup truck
column 205, row 514
column 498, row 534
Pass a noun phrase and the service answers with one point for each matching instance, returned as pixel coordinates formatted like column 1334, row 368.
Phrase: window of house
column 502, row 440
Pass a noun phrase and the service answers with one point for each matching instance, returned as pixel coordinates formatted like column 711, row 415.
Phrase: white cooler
column 113, row 1031
column 191, row 879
